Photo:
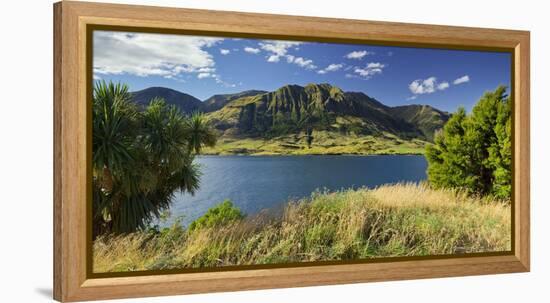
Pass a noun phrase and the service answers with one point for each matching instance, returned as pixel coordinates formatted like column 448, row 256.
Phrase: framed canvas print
column 201, row 151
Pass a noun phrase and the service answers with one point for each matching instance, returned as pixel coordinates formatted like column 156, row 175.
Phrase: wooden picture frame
column 72, row 279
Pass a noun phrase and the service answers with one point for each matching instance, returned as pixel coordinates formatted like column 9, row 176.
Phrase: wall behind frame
column 26, row 153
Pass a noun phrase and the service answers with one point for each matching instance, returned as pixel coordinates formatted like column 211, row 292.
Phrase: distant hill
column 424, row 117
column 294, row 108
column 185, row 102
column 218, row 101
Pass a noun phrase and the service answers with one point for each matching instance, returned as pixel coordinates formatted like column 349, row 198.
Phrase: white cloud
column 144, row 54
column 215, row 77
column 204, row 75
column 334, row 67
column 167, row 56
column 412, row 97
column 273, row 58
column 427, row 86
column 369, row 70
column 365, row 72
column 461, row 80
column 300, row 61
column 375, row 65
column 358, row 54
column 278, row 47
column 443, row 85
column 305, row 63
column 206, row 70
column 331, row 68
column 420, row 86
column 251, row 50
column 219, row 80
column 175, row 78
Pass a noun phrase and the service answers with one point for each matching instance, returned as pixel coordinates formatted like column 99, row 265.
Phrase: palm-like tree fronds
column 140, row 158
column 200, row 134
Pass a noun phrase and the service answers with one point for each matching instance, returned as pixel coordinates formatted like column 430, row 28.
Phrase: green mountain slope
column 294, row 108
column 424, row 117
column 185, row 102
column 218, row 101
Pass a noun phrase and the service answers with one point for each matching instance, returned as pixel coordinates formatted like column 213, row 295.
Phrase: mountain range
column 292, row 115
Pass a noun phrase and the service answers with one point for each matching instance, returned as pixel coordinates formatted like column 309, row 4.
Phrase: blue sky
column 204, row 66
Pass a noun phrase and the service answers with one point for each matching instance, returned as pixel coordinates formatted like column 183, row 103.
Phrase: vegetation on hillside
column 321, row 143
column 218, row 101
column 389, row 221
column 474, row 152
column 140, row 158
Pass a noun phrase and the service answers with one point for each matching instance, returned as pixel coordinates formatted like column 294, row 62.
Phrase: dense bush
column 474, row 151
column 221, row 214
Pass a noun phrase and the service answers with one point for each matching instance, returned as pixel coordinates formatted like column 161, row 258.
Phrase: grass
column 389, row 221
column 324, row 143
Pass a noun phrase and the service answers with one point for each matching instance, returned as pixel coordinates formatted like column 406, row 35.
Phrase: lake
column 254, row 183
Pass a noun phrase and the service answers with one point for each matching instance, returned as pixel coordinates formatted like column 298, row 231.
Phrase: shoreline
column 312, row 154
column 304, row 155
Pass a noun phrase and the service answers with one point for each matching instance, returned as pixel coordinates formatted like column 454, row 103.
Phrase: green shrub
column 220, row 214
column 473, row 151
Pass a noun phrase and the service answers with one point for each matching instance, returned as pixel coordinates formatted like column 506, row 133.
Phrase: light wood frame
column 71, row 149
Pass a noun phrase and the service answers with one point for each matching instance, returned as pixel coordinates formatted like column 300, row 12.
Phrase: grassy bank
column 393, row 220
column 324, row 143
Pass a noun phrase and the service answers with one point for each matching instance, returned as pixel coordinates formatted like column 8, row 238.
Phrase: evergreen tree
column 474, row 152
column 500, row 153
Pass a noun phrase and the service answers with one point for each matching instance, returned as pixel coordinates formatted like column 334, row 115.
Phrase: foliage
column 389, row 221
column 140, row 158
column 474, row 151
column 220, row 214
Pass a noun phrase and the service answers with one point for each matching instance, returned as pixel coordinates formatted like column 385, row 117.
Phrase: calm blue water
column 254, row 183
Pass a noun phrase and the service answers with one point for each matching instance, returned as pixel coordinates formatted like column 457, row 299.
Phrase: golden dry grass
column 392, row 220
